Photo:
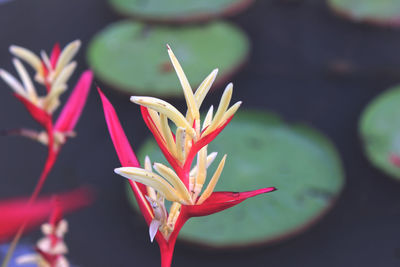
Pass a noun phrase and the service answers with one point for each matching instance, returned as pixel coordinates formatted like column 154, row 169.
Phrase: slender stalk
column 166, row 252
column 51, row 159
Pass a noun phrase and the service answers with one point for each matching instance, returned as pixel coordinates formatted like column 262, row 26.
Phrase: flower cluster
column 51, row 249
column 53, row 73
column 183, row 184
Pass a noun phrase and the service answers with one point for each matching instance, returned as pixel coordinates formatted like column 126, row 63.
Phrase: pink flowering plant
column 183, row 183
column 51, row 72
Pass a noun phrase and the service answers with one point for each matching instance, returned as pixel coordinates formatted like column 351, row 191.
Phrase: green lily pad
column 263, row 151
column 380, row 130
column 133, row 57
column 384, row 12
column 178, row 10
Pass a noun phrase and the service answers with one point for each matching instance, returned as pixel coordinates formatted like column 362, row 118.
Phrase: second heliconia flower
column 182, row 184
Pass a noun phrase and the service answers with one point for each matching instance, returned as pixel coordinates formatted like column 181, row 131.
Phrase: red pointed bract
column 55, row 54
column 157, row 136
column 125, row 153
column 73, row 108
column 38, row 114
column 15, row 212
column 219, row 201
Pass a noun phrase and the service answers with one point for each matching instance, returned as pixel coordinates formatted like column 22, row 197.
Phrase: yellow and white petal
column 65, row 74
column 165, row 108
column 210, row 159
column 156, row 119
column 213, row 182
column 208, row 118
column 26, row 80
column 150, row 179
column 46, row 228
column 166, row 132
column 150, row 190
column 231, row 111
column 204, row 87
column 173, row 214
column 13, row 83
column 223, row 106
column 62, row 228
column 66, row 55
column 52, row 101
column 201, row 172
column 180, row 144
column 187, row 90
column 46, row 60
column 27, row 56
column 175, row 181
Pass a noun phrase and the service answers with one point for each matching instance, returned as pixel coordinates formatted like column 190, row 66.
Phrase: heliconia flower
column 181, row 185
column 15, row 212
column 52, row 72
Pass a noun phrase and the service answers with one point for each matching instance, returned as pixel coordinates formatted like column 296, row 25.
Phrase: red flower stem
column 167, row 248
column 166, row 252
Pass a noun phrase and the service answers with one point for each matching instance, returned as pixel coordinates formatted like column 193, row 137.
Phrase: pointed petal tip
column 168, row 47
column 99, row 91
column 12, row 48
column 76, row 43
column 134, row 99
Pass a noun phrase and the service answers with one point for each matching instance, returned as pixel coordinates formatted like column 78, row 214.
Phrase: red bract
column 15, row 212
column 216, row 202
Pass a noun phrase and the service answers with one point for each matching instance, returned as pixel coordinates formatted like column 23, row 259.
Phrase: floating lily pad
column 380, row 130
column 264, row 151
column 383, row 12
column 133, row 57
column 179, row 10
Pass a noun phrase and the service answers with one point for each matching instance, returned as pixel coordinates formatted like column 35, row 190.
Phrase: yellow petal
column 231, row 111
column 187, row 90
column 210, row 159
column 150, row 190
column 180, row 143
column 65, row 74
column 213, row 182
column 166, row 131
column 165, row 108
column 223, row 105
column 13, row 83
column 176, row 182
column 66, row 55
column 150, row 179
column 27, row 56
column 204, row 87
column 208, row 118
column 26, row 80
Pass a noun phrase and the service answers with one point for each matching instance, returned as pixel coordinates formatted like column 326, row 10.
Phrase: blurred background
column 305, row 63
